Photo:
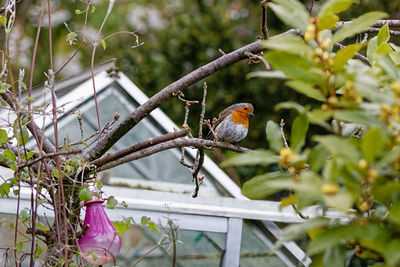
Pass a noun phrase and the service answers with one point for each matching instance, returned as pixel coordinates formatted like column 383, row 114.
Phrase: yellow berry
column 363, row 164
column 364, row 206
column 330, row 188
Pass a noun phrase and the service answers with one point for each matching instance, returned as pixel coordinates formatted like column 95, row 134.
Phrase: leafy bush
column 355, row 168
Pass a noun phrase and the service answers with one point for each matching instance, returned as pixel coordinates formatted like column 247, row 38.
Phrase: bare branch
column 379, row 23
column 198, row 180
column 180, row 142
column 264, row 28
column 142, row 111
column 139, row 146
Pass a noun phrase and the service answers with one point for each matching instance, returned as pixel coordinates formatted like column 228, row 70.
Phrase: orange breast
column 240, row 118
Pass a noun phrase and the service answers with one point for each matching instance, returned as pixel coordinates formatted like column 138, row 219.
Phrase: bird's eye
column 245, row 108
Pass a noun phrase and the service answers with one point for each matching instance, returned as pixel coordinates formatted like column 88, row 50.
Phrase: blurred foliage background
column 178, row 36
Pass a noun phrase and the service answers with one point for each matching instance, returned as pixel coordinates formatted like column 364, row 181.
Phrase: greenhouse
column 220, row 227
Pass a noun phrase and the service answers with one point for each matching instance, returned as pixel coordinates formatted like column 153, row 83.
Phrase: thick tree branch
column 180, row 142
column 142, row 111
column 139, row 146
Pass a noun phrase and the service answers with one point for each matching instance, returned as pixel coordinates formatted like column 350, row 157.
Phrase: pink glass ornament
column 101, row 238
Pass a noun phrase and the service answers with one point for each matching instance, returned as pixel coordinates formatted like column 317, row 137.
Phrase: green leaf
column 274, row 136
column 372, row 144
column 299, row 131
column 335, row 256
column 371, row 48
column 290, row 43
column 342, row 201
column 152, row 226
column 257, row 187
column 306, row 89
column 327, row 21
column 356, row 116
column 291, row 12
column 384, row 49
column 395, row 57
column 55, row 173
column 334, row 6
column 327, row 18
column 383, row 34
column 103, row 44
column 144, row 220
column 300, row 230
column 121, row 227
column 289, row 105
column 40, row 226
column 295, row 67
column 3, row 20
column 37, row 253
column 111, row 202
column 391, row 252
column 273, row 74
column 9, row 155
column 343, row 55
column 5, row 189
column 341, row 147
column 21, row 133
column 258, row 157
column 84, row 194
column 19, row 246
column 358, row 25
column 318, row 157
column 3, row 137
column 24, row 215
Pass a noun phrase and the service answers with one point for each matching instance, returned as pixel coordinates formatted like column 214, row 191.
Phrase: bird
column 233, row 123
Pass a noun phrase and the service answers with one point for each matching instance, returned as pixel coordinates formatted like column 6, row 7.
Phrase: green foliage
column 352, row 165
column 84, row 194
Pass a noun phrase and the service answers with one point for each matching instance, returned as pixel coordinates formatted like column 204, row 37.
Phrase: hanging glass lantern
column 101, row 243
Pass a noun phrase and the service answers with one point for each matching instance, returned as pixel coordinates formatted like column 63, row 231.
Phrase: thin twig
column 198, row 180
column 264, row 28
column 282, row 124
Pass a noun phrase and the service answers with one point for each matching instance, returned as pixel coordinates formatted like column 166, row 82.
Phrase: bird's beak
column 251, row 114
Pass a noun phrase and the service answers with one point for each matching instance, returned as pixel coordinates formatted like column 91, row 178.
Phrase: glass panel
column 163, row 166
column 254, row 252
column 194, row 248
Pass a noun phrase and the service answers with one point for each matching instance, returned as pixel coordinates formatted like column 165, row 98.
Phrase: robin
column 233, row 123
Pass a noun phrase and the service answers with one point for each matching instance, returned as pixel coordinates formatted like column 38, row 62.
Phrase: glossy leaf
column 372, row 144
column 306, row 89
column 84, row 194
column 334, row 6
column 383, row 34
column 384, row 49
column 358, row 25
column 299, row 131
column 343, row 55
column 40, row 226
column 274, row 136
column 335, row 256
column 291, row 12
column 356, row 116
column 259, row 157
column 295, row 67
column 327, row 16
column 257, row 187
column 273, row 74
column 340, row 147
column 371, row 48
column 290, row 43
column 3, row 137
